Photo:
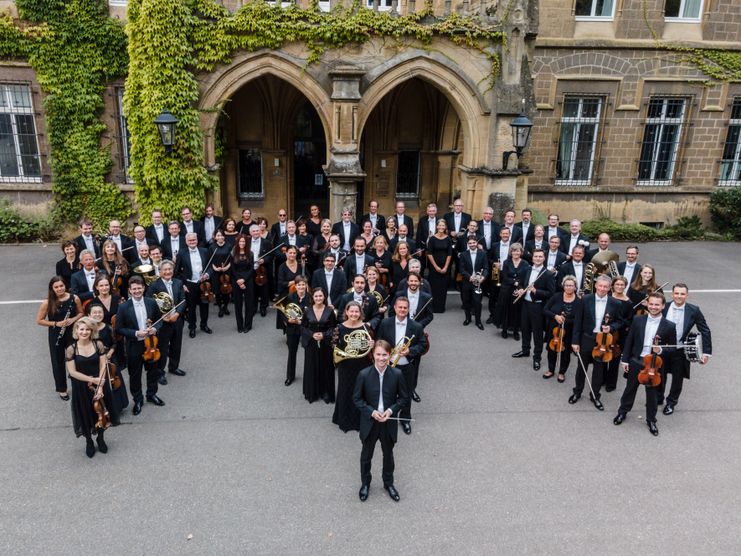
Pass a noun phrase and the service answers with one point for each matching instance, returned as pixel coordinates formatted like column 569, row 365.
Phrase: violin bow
column 420, row 311
column 586, row 374
column 661, row 287
column 167, row 313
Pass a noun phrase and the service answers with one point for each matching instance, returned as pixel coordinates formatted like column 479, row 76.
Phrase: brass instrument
column 478, row 278
column 403, row 344
column 146, row 271
column 291, row 311
column 377, row 296
column 496, row 274
column 588, row 279
column 358, row 344
column 164, row 301
column 605, row 262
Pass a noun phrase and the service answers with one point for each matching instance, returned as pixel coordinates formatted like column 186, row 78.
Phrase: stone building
column 627, row 129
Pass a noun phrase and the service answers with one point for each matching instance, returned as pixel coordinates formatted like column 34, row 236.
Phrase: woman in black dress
column 381, row 258
column 346, row 415
column 105, row 334
column 371, row 285
column 230, row 231
column 220, row 254
column 293, row 326
column 439, row 255
column 86, row 365
column 114, row 264
column 69, row 263
column 103, row 296
column 243, row 284
column 320, row 244
column 399, row 264
column 560, row 310
column 619, row 288
column 314, row 223
column 316, row 334
column 390, row 232
column 511, row 276
column 58, row 312
column 287, row 273
column 304, row 242
column 643, row 284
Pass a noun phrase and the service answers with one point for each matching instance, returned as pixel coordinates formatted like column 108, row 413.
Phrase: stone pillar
column 343, row 168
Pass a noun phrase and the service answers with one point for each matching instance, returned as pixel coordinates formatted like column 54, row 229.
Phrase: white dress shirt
column 573, row 242
column 552, row 255
column 168, row 285
column 487, row 233
column 255, row 248
column 328, row 276
column 652, row 325
column 503, row 252
column 117, row 241
column 90, row 277
column 141, row 315
column 89, row 243
column 578, row 272
column 551, row 232
column 600, row 306
column 174, row 245
column 380, row 407
column 401, row 330
column 195, row 264
column 457, row 217
column 629, row 271
column 413, row 302
column 525, row 228
column 359, row 264
column 534, row 273
column 209, row 227
column 188, row 227
column 676, row 315
column 373, row 220
column 159, row 232
column 346, row 235
column 431, row 223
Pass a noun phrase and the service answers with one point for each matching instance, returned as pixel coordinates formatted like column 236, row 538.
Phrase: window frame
column 735, row 163
column 593, row 17
column 662, row 121
column 682, row 19
column 123, row 130
column 250, row 196
column 12, row 111
column 581, row 120
column 408, row 194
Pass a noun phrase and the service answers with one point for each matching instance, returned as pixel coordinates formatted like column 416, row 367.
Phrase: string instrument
column 101, row 411
column 616, row 349
column 225, row 281
column 113, row 376
column 556, row 344
column 650, row 374
column 602, row 350
column 151, row 349
column 261, row 275
column 639, row 308
column 116, row 337
column 117, row 280
column 303, row 265
column 207, row 292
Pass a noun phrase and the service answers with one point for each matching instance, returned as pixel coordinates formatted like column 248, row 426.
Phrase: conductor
column 380, row 393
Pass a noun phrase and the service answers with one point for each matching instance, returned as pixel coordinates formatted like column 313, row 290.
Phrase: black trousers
column 244, row 305
column 471, row 301
column 677, row 365
column 598, row 369
column 408, row 371
column 56, row 351
column 170, row 338
column 135, row 364
column 629, row 395
column 379, row 431
column 193, row 300
column 262, row 295
column 532, row 325
column 613, row 367
column 292, row 341
column 563, row 365
column 493, row 296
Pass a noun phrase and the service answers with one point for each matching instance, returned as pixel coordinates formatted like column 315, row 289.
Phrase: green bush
column 15, row 227
column 725, row 211
column 687, row 227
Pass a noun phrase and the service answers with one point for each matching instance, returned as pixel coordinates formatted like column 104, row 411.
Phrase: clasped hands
column 381, row 417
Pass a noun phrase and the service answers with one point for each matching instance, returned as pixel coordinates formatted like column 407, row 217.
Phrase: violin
column 616, row 349
column 261, row 276
column 602, row 350
column 650, row 374
column 101, row 411
column 556, row 344
column 117, row 281
column 151, row 349
column 225, row 284
column 113, row 375
column 207, row 293
column 116, row 337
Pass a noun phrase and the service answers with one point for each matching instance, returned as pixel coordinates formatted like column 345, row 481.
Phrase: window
column 578, row 141
column 324, row 5
column 683, row 10
column 661, row 141
column 19, row 149
column 407, row 175
column 730, row 166
column 592, row 9
column 383, row 5
column 123, row 130
column 250, row 174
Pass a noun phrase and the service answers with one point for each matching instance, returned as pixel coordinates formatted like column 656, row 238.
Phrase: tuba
column 164, row 301
column 358, row 344
column 605, row 262
column 146, row 271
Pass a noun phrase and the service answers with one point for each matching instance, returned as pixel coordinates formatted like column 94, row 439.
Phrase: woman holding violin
column 299, row 297
column 58, row 312
column 242, row 271
column 113, row 263
column 512, row 275
column 220, row 254
column 68, row 264
column 287, row 273
column 103, row 296
column 625, row 314
column 560, row 310
column 399, row 264
column 317, row 325
column 93, row 410
column 643, row 284
column 105, row 334
column 381, row 258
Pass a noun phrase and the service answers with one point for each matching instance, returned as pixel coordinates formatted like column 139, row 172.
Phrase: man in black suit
column 190, row 226
column 358, row 260
column 525, row 227
column 488, row 230
column 457, row 220
column 630, row 267
column 575, row 267
column 192, row 267
column 86, row 239
column 540, row 285
column 424, row 286
column 260, row 247
column 380, row 393
column 402, row 217
column 554, row 257
column 685, row 317
column 420, row 308
column 427, row 226
column 144, row 257
column 377, row 220
column 474, row 268
column 333, row 246
column 603, row 244
column 368, row 303
column 403, row 235
column 133, row 322
column 139, row 241
column 171, row 333
column 641, row 338
column 81, row 282
column 515, row 234
column 210, row 222
column 157, row 230
column 124, row 243
column 280, row 228
column 347, row 230
column 575, row 238
column 498, row 253
column 598, row 312
column 538, row 241
column 173, row 242
column 332, row 280
column 553, row 229
column 394, row 330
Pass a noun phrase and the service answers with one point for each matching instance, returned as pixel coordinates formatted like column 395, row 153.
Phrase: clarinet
column 63, row 329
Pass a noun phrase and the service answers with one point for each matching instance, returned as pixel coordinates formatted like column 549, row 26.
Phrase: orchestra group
column 358, row 296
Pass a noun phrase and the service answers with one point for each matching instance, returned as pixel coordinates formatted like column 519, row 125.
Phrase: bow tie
column 193, row 251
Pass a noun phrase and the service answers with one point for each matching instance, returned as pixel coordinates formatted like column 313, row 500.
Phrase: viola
column 261, row 276
column 602, row 350
column 114, row 377
column 556, row 344
column 650, row 374
column 207, row 293
column 151, row 347
column 101, row 411
column 616, row 349
column 225, row 284
column 116, row 336
column 117, row 281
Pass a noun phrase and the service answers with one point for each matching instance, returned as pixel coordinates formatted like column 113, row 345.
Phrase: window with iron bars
column 661, row 138
column 730, row 165
column 577, row 143
column 19, row 147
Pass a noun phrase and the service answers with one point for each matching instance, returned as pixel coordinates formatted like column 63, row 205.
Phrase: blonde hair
column 90, row 323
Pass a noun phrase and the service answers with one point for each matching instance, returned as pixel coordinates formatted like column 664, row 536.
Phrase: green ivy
column 78, row 54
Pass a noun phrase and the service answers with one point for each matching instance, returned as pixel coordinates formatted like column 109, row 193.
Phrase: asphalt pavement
column 498, row 461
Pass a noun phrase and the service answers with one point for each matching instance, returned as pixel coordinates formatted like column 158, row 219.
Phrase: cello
column 650, row 374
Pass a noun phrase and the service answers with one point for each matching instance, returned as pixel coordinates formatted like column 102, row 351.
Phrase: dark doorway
column 310, row 185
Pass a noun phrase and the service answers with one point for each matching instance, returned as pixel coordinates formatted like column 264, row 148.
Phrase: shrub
column 619, row 232
column 16, row 227
column 725, row 211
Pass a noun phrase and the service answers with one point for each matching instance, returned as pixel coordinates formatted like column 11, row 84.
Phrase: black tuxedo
column 262, row 293
column 275, row 230
column 171, row 334
column 677, row 364
column 532, row 320
column 184, row 272
column 632, row 355
column 493, row 256
column 450, row 221
column 423, row 229
column 530, row 232
column 80, row 245
column 567, row 269
column 167, row 251
column 351, row 269
column 566, row 241
column 469, row 268
column 425, row 317
column 153, row 238
column 636, row 272
column 407, row 220
column 562, row 234
column 197, row 229
column 339, row 284
column 369, row 315
column 494, row 234
column 127, row 326
column 380, row 221
column 560, row 259
column 339, row 229
column 218, row 221
column 530, row 246
column 366, row 394
column 409, row 241
column 515, row 235
column 78, row 285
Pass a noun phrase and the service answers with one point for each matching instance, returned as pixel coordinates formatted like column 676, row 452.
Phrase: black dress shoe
column 653, row 428
column 162, row 380
column 536, row 364
column 490, row 320
column 137, row 408
column 263, row 311
column 521, row 353
column 288, row 381
column 668, row 409
column 393, row 493
column 90, row 448
column 64, row 396
column 574, row 398
column 479, row 325
column 155, row 399
column 407, row 427
column 466, row 322
column 516, row 335
column 619, row 418
column 504, row 334
column 415, row 396
column 597, row 404
column 206, row 329
column 240, row 329
column 178, row 372
column 102, row 446
column 609, row 388
column 192, row 333
column 221, row 312
column 226, row 311
column 363, row 493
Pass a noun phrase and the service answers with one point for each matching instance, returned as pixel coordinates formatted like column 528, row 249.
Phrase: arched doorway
column 310, row 186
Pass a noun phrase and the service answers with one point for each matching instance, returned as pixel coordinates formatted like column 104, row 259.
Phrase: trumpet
column 478, row 278
column 358, row 343
column 402, row 344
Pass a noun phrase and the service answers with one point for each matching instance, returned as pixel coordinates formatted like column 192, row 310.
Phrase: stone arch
column 221, row 85
column 460, row 90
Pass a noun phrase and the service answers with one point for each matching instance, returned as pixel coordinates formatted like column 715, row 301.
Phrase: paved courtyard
column 498, row 462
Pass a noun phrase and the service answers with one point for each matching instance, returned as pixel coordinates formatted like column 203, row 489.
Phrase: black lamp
column 166, row 123
column 521, row 128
